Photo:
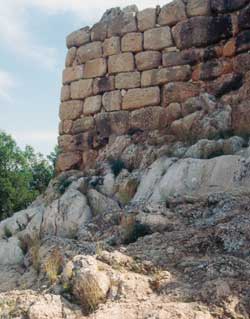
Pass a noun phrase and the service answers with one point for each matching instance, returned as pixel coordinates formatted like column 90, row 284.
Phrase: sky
column 33, row 50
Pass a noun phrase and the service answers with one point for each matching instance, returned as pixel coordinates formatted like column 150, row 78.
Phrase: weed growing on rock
column 54, row 265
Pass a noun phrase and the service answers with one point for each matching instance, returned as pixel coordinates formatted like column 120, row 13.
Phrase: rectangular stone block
column 103, row 84
column 95, row 68
column 137, row 98
column 99, row 31
column 112, row 100
column 172, row 13
column 148, row 60
column 146, row 19
column 65, row 93
column 190, row 56
column 128, row 80
column 73, row 74
column 122, row 23
column 149, row 118
column 132, row 42
column 112, row 123
column 158, row 38
column 70, row 58
column 162, row 76
column 123, row 62
column 198, row 8
column 89, row 51
column 67, row 161
column 83, row 124
column 78, row 38
column 81, row 89
column 92, row 105
column 179, row 92
column 112, row 46
column 70, row 110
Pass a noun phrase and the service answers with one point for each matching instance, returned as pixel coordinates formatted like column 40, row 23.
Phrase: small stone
column 73, row 74
column 172, row 13
column 78, row 38
column 128, row 80
column 89, row 51
column 81, row 89
column 111, row 46
column 148, row 60
column 112, row 101
column 158, row 38
column 146, row 19
column 103, row 84
column 229, row 48
column 132, row 42
column 66, row 126
column 123, row 62
column 92, row 105
column 95, row 68
column 137, row 98
column 70, row 110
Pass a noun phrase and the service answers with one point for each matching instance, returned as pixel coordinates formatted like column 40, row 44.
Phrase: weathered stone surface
column 212, row 69
column 83, row 124
column 73, row 74
column 179, row 92
column 201, row 31
column 198, row 8
column 66, row 126
column 162, row 76
column 89, row 51
column 104, row 84
column 67, row 161
column 244, row 17
column 78, row 38
column 137, row 98
column 158, row 38
column 81, row 89
column 132, row 42
column 189, row 56
column 112, row 46
column 122, row 23
column 65, row 93
column 222, row 6
column 112, row 123
column 242, row 63
column 172, row 13
column 173, row 112
column 67, row 143
column 10, row 251
column 241, row 118
column 229, row 48
column 123, row 62
column 243, row 41
column 71, row 110
column 128, row 80
column 112, row 100
column 224, row 84
column 70, row 58
column 92, row 105
column 148, row 118
column 146, row 19
column 148, row 60
column 95, row 68
column 99, row 31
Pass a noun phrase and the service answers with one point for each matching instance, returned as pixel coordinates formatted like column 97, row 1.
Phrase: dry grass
column 54, row 265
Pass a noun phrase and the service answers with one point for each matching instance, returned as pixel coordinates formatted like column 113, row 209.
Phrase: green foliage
column 117, row 165
column 23, row 175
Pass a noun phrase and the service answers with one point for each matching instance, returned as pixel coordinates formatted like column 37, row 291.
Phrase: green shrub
column 117, row 165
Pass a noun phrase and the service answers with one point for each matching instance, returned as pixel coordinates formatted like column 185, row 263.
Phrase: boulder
column 10, row 251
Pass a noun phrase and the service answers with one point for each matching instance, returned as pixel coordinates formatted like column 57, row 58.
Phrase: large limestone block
column 172, row 13
column 89, row 51
column 202, row 31
column 70, row 110
column 81, row 89
column 132, row 42
column 112, row 100
column 112, row 46
column 122, row 23
column 149, row 118
column 198, row 8
column 108, row 123
column 65, row 93
column 162, row 76
column 78, row 38
column 70, row 58
column 67, row 161
column 158, row 38
column 99, row 31
column 137, row 98
column 146, row 19
column 190, row 56
column 103, row 84
column 101, row 204
column 83, row 124
column 128, row 80
column 123, row 62
column 179, row 92
column 95, row 68
column 92, row 105
column 10, row 251
column 222, row 6
column 73, row 74
column 148, row 60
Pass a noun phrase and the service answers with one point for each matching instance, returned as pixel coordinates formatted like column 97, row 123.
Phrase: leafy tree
column 23, row 175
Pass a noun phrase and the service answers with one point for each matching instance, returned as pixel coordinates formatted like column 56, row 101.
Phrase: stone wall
column 142, row 73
